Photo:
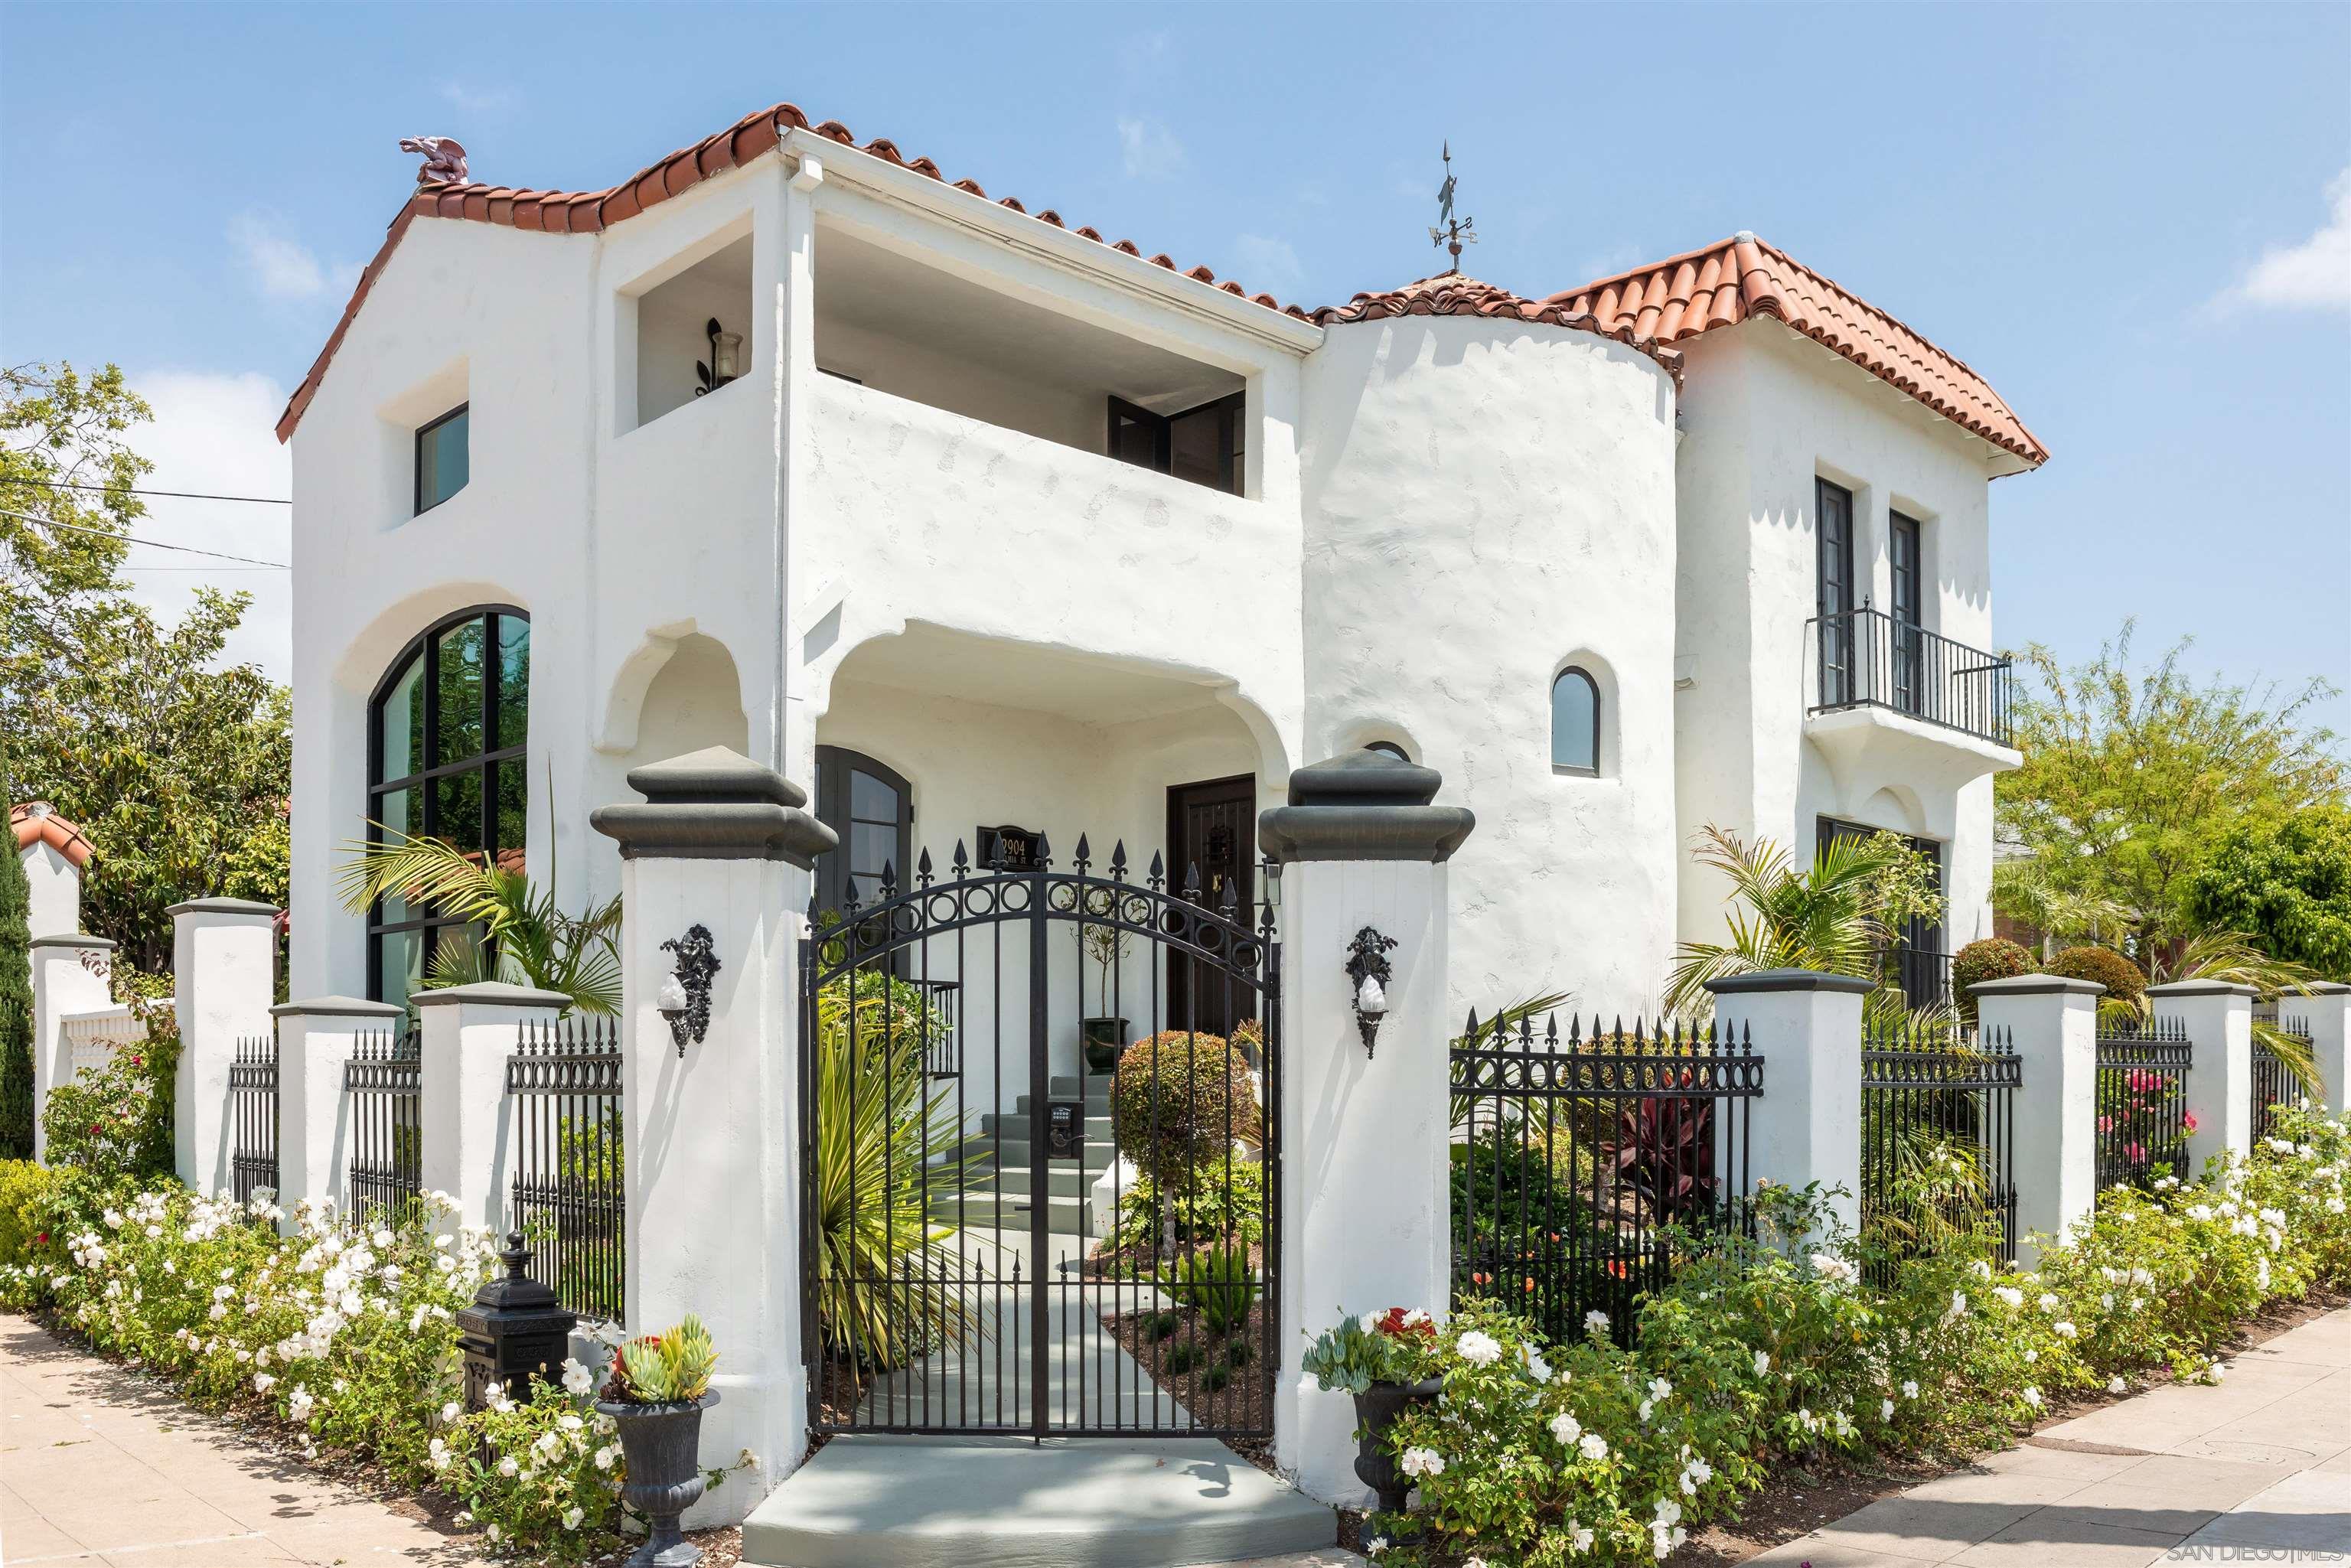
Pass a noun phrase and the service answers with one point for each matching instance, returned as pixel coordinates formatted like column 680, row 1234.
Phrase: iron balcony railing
column 1866, row 658
column 1924, row 973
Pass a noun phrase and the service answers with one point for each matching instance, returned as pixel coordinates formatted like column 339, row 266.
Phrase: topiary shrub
column 2124, row 980
column 1180, row 1100
column 1993, row 958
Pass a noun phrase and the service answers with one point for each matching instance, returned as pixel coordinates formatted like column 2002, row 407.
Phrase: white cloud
column 215, row 434
column 282, row 266
column 1267, row 266
column 1148, row 150
column 2313, row 275
column 480, row 100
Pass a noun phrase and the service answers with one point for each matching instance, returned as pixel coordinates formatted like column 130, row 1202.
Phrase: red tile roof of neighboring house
column 1452, row 294
column 591, row 211
column 37, row 822
column 1729, row 282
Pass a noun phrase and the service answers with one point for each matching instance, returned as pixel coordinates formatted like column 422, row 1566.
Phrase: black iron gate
column 253, row 1117
column 979, row 1254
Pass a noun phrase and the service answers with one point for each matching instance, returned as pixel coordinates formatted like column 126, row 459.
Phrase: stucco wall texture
column 1441, row 513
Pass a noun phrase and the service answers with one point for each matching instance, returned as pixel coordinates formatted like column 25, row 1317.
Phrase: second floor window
column 1208, row 444
column 1575, row 722
column 443, row 460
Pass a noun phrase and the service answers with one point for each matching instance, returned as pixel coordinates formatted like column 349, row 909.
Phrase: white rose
column 1422, row 1462
column 1593, row 1446
column 571, row 1517
column 1479, row 1348
column 1566, row 1429
column 1762, row 1363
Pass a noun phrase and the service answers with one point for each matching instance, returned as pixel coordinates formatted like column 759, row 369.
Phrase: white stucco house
column 969, row 519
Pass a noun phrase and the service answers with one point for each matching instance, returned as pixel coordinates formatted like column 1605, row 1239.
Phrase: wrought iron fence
column 1866, row 658
column 2142, row 1100
column 382, row 1081
column 2274, row 1083
column 253, row 1116
column 568, row 1200
column 1574, row 1157
column 1938, row 1117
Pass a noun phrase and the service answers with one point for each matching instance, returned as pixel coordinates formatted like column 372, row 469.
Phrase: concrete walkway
column 99, row 1466
column 2257, row 1469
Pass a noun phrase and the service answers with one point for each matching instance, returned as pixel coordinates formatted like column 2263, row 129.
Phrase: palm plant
column 2232, row 958
column 884, row 1151
column 1841, row 916
column 513, row 930
column 2023, row 889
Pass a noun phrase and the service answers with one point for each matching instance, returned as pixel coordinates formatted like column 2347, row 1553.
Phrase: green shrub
column 1180, row 1358
column 1216, row 1282
column 2125, row 981
column 1993, row 958
column 1213, row 1207
column 1163, row 1325
column 1180, row 1100
column 1238, row 1352
column 25, row 1191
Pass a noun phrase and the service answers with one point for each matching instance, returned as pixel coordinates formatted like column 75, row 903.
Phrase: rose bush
column 1772, row 1348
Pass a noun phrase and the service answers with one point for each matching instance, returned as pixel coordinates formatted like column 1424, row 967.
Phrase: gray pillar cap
column 488, row 993
column 2036, row 986
column 336, row 1007
column 76, row 939
column 2321, row 989
column 2202, row 988
column 1788, row 980
column 224, row 906
column 1363, row 806
column 715, row 804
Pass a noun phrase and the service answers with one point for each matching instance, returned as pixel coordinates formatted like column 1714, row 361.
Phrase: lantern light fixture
column 684, row 997
column 1367, row 968
column 726, row 361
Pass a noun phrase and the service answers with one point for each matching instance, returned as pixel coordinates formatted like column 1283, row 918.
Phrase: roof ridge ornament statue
column 444, row 158
column 1454, row 233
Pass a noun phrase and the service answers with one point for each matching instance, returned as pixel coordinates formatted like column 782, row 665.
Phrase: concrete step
column 1096, row 1104
column 1062, row 1087
column 1062, row 1179
column 982, row 1153
column 1017, row 1126
column 1065, row 1215
column 871, row 1502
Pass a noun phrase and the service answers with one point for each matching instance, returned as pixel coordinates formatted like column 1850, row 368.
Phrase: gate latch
column 1065, row 1130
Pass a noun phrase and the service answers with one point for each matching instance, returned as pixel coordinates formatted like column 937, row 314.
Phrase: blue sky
column 2134, row 221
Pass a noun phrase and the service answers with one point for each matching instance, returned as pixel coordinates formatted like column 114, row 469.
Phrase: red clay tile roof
column 1451, row 294
column 591, row 211
column 1727, row 282
column 36, row 821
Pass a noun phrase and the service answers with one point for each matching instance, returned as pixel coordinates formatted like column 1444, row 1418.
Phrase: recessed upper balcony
column 1887, row 691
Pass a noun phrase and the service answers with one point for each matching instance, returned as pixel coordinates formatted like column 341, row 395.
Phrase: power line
column 135, row 540
column 182, row 495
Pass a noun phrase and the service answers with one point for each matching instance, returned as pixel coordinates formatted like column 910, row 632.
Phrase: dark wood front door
column 1211, row 827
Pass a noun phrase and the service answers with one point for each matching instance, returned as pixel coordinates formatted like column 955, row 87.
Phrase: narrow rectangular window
column 443, row 460
column 1833, row 589
column 1909, row 646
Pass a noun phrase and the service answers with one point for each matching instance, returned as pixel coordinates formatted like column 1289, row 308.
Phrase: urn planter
column 663, row 1447
column 1105, row 1038
column 1376, row 1410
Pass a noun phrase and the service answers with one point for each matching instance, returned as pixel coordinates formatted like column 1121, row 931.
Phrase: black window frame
column 833, row 795
column 1834, row 548
column 1591, row 682
column 1231, row 413
column 416, row 463
column 1905, row 564
column 1919, row 935
column 423, row 819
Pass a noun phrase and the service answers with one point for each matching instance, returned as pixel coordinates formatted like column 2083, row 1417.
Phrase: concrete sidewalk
column 2256, row 1469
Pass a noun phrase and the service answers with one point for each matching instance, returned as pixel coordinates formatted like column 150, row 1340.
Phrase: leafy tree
column 2287, row 885
column 15, row 997
column 177, row 769
column 2132, row 777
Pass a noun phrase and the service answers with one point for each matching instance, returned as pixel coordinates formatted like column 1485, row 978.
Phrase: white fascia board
column 1094, row 260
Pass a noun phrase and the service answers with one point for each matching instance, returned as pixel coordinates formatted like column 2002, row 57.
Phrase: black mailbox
column 515, row 1331
column 1065, row 1130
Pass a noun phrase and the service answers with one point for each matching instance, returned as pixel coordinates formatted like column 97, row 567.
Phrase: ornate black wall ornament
column 689, row 1011
column 1367, row 965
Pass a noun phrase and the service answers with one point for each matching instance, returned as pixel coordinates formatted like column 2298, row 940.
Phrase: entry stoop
column 877, row 1502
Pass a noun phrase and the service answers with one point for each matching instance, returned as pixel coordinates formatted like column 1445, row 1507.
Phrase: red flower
column 2106, row 1123
column 2188, row 1121
column 2136, row 1152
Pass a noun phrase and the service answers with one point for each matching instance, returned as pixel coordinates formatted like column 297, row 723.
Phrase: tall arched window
column 446, row 759
column 872, row 807
column 1575, row 722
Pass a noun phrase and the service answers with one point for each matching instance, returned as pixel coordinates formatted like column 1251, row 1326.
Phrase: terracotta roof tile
column 591, row 211
column 1740, row 277
column 1451, row 294
column 36, row 821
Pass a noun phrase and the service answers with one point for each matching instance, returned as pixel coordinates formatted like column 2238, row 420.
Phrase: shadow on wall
column 695, row 701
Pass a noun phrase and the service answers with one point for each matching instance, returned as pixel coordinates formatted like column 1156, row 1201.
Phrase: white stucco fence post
column 315, row 1038
column 224, row 979
column 465, row 1034
column 2325, row 1014
column 1806, row 1125
column 69, row 975
column 2052, row 1024
column 2218, row 1019
column 1363, row 1133
column 722, row 846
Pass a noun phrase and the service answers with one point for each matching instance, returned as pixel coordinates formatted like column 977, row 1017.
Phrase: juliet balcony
column 1895, row 699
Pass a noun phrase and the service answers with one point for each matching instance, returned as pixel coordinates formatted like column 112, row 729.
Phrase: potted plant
column 1104, row 1036
column 1380, row 1358
column 659, row 1388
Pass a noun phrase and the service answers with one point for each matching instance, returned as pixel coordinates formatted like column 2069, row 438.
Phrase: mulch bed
column 1241, row 1402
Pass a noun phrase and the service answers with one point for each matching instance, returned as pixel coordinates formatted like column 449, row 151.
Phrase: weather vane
column 1456, row 232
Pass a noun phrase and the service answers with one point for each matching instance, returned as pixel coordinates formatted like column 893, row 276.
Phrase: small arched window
column 1389, row 748
column 1575, row 722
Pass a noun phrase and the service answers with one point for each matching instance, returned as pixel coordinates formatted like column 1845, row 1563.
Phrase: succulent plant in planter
column 659, row 1388
column 1379, row 1358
